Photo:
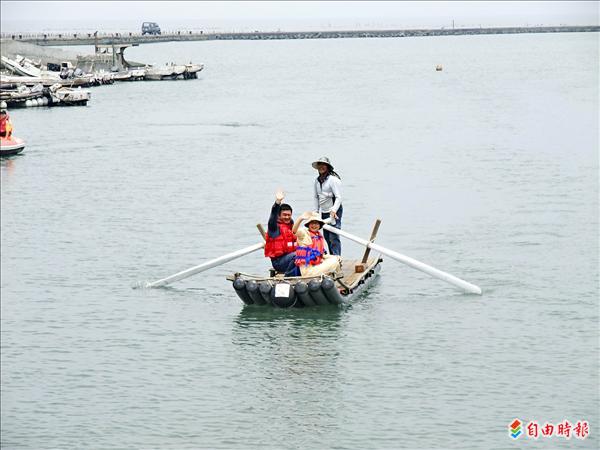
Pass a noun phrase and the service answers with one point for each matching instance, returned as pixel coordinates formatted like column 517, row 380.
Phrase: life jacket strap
column 307, row 254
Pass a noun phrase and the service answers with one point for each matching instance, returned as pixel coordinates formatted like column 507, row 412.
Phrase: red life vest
column 312, row 255
column 282, row 244
column 5, row 126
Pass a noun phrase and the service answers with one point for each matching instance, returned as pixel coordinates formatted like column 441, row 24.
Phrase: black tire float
column 314, row 288
column 283, row 295
column 301, row 289
column 240, row 289
column 265, row 290
column 331, row 291
column 254, row 293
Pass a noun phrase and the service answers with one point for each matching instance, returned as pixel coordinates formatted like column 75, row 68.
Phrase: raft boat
column 11, row 146
column 336, row 288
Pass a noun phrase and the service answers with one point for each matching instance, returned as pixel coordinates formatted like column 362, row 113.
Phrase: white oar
column 436, row 273
column 207, row 265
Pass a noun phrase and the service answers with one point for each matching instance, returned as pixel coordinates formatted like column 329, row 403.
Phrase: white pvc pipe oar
column 207, row 265
column 436, row 273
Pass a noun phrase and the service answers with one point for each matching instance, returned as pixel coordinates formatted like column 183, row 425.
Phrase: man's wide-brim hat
column 315, row 217
column 323, row 160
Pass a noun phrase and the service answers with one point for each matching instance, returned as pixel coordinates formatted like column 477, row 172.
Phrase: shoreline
column 68, row 39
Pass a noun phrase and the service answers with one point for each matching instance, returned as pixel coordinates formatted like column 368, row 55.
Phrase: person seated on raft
column 280, row 242
column 310, row 248
column 5, row 125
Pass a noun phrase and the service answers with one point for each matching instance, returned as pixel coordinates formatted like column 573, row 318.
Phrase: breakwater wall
column 178, row 35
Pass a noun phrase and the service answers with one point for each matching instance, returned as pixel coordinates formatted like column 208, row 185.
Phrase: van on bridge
column 150, row 28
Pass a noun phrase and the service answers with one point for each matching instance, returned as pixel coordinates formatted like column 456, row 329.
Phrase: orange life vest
column 5, row 127
column 312, row 255
column 282, row 244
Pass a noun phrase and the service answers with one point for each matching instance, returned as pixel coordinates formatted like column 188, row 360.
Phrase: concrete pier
column 137, row 38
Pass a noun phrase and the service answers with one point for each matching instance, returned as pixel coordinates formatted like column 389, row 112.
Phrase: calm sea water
column 487, row 170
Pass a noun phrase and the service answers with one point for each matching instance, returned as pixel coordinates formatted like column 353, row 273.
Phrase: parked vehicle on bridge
column 150, row 28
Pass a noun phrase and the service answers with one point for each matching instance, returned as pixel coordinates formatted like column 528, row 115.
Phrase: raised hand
column 305, row 215
column 279, row 196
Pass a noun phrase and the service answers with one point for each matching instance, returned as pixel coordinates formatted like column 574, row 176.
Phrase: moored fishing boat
column 20, row 95
column 124, row 75
column 10, row 146
column 46, row 81
column 69, row 97
column 166, row 72
column 191, row 71
column 137, row 73
column 131, row 74
column 21, row 66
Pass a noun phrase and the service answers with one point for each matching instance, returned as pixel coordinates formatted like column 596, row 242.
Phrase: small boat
column 337, row 288
column 11, row 146
column 69, row 97
column 22, row 95
column 136, row 74
column 124, row 75
column 21, row 66
column 334, row 288
column 46, row 81
column 191, row 71
column 166, row 72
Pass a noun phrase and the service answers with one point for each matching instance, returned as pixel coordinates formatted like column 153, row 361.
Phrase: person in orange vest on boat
column 5, row 125
column 311, row 257
column 280, row 243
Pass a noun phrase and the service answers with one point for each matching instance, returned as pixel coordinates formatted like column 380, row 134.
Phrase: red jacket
column 284, row 243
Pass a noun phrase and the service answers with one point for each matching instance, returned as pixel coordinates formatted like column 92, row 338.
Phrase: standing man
column 280, row 243
column 328, row 201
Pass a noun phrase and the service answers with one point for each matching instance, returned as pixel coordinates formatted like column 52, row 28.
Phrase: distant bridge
column 174, row 36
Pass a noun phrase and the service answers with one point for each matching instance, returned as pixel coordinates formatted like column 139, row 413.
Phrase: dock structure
column 97, row 38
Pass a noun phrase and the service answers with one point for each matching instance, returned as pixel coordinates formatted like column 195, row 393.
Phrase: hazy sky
column 294, row 14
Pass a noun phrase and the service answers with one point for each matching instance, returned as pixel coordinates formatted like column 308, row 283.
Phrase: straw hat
column 314, row 217
column 324, row 160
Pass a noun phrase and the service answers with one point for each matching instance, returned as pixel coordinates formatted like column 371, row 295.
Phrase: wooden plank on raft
column 351, row 277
